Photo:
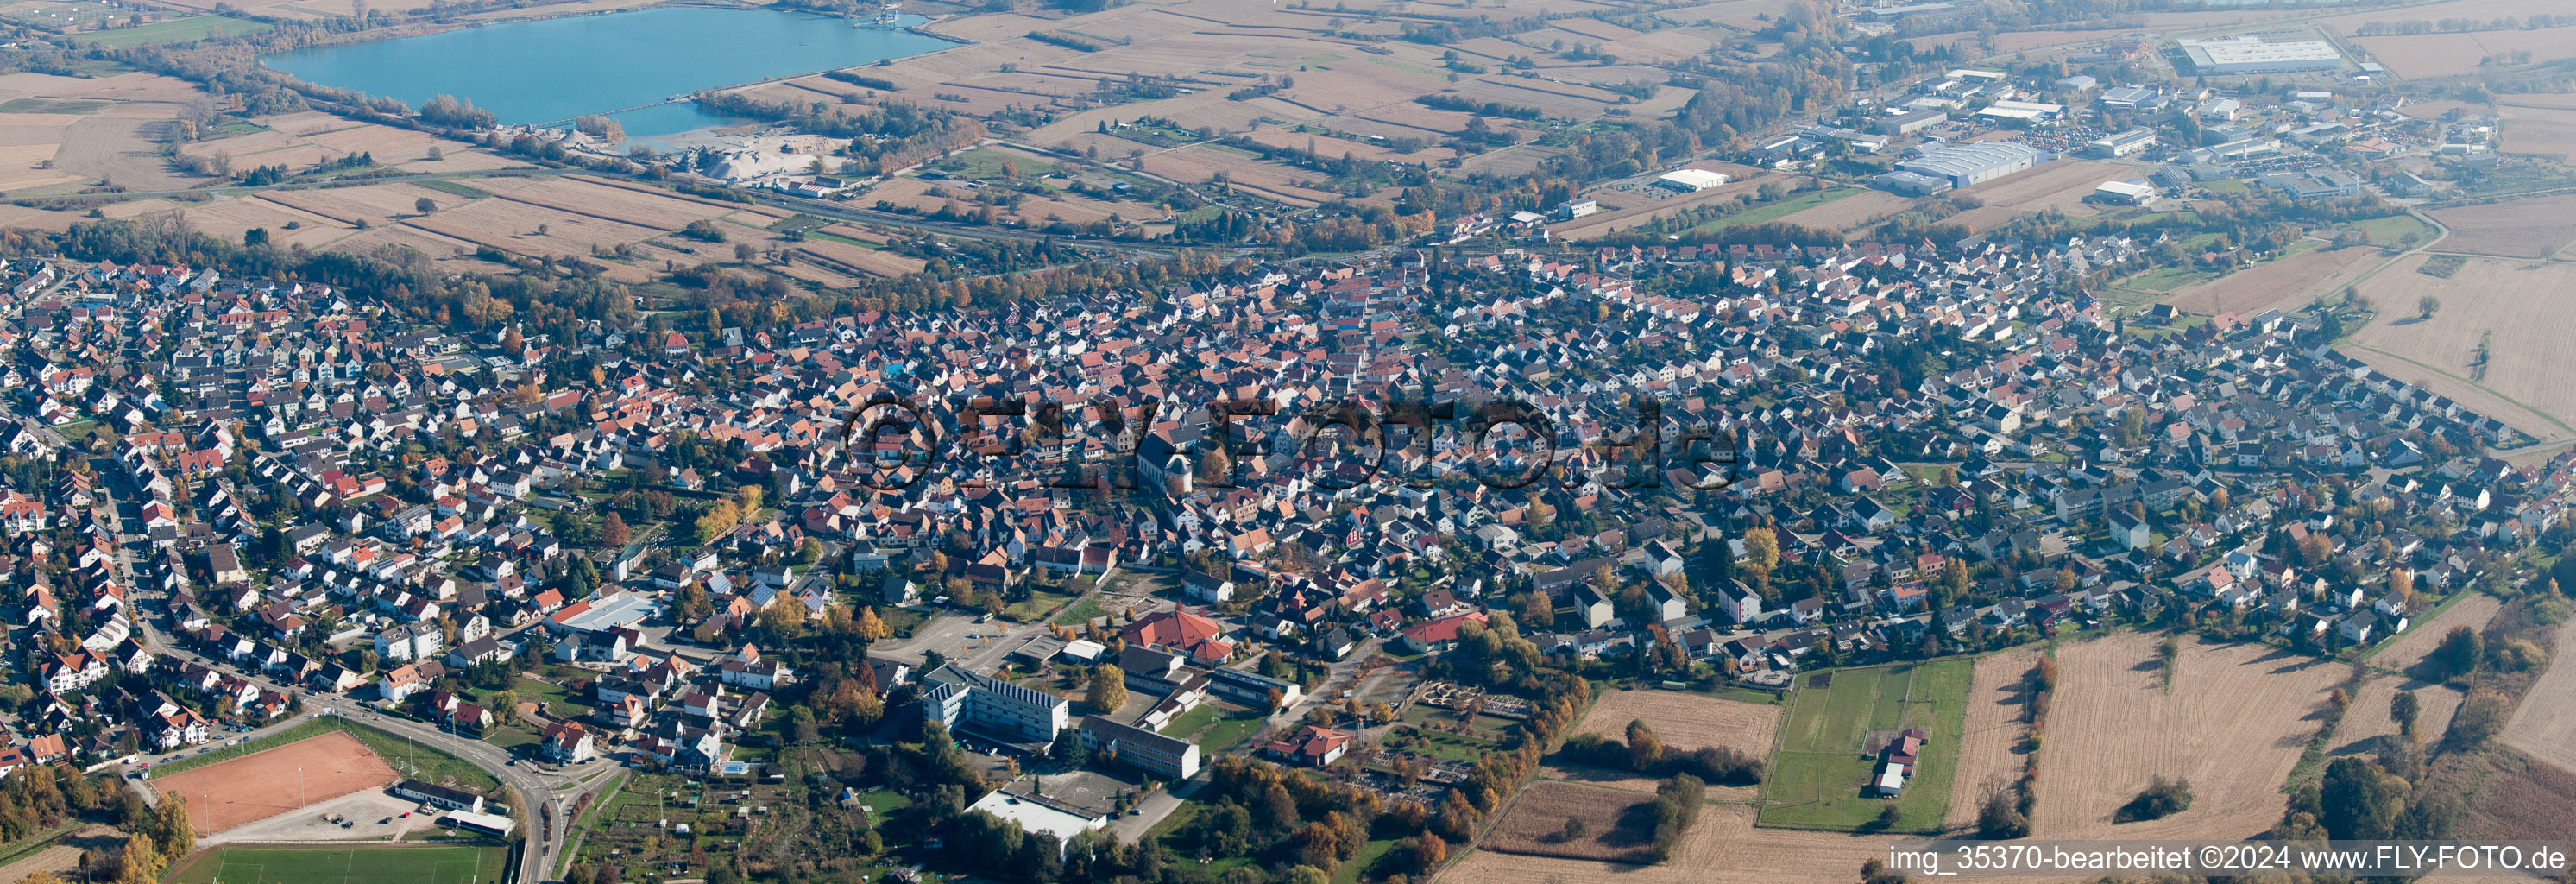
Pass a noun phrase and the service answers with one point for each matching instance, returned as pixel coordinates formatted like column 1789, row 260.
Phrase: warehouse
column 1965, row 165
column 2249, row 54
column 2022, row 110
column 1689, row 180
column 1908, row 123
column 2123, row 144
column 2126, row 193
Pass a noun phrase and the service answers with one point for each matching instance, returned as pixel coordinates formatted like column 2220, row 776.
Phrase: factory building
column 1689, row 180
column 1965, row 165
column 2129, row 143
column 2250, row 54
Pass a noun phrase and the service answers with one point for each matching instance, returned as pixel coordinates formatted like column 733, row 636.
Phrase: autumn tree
column 1108, row 689
column 613, row 532
column 868, row 626
column 1762, row 547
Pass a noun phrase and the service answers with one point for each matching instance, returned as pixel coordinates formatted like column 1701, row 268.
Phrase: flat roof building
column 2129, row 143
column 1907, row 123
column 2021, row 110
column 957, row 698
column 2251, row 54
column 1965, row 165
column 2127, row 193
column 1690, row 180
column 2133, row 97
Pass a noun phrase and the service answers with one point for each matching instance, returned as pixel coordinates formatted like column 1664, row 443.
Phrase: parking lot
column 373, row 815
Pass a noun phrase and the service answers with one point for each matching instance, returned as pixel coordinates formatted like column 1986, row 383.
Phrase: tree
column 170, row 827
column 1108, row 688
column 2427, row 304
column 2358, row 802
column 424, row 205
column 2458, row 653
column 2404, row 709
column 504, row 704
column 138, row 864
column 868, row 626
column 511, row 342
column 613, row 532
column 1763, row 547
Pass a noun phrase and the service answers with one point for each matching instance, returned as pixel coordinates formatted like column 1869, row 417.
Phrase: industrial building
column 2127, row 193
column 2134, row 98
column 1689, row 180
column 1907, row 123
column 1965, row 165
column 2021, row 110
column 2315, row 184
column 2251, row 54
column 2129, row 143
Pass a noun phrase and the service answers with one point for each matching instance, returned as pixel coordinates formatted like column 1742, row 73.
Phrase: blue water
column 535, row 72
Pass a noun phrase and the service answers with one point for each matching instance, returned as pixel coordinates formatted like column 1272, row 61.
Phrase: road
column 544, row 809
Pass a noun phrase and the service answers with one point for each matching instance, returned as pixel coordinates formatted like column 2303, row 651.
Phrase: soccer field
column 376, row 865
column 1815, row 781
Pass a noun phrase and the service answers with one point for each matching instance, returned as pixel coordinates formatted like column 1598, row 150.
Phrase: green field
column 1816, row 778
column 50, row 106
column 376, row 865
column 2394, row 229
column 1774, row 211
column 195, row 27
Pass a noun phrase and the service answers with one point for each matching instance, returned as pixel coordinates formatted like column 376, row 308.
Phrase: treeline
column 1454, row 102
column 890, row 135
column 1767, row 233
column 1677, row 804
column 1068, row 41
column 858, row 79
column 2006, row 812
column 2455, row 25
column 1469, row 29
column 456, row 113
column 1643, row 752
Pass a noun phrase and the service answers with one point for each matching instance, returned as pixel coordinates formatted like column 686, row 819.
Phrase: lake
column 555, row 69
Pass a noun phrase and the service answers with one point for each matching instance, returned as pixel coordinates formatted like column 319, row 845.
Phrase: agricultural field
column 2420, row 56
column 2279, row 284
column 177, row 30
column 1853, row 213
column 2515, row 308
column 1685, row 722
column 2368, row 722
column 366, row 865
column 2233, row 723
column 1623, row 209
column 1616, row 826
column 1725, row 847
column 2534, row 127
column 264, row 784
column 2545, row 725
column 1837, row 720
column 2061, row 185
column 2524, row 228
column 1991, row 748
column 2410, row 648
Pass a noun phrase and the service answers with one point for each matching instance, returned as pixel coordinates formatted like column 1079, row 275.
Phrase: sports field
column 370, row 865
column 1837, row 717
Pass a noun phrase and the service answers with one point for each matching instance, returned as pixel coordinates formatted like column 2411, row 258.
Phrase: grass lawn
column 2224, row 186
column 1349, row 873
column 1774, row 211
column 2393, row 229
column 1448, row 747
column 371, row 865
column 558, row 700
column 2163, row 280
column 445, row 186
column 1081, row 612
column 1817, row 775
column 1039, row 602
column 1233, row 729
column 1193, row 721
column 195, row 27
column 985, row 164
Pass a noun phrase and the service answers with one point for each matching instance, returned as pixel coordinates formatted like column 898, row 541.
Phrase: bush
column 2161, row 799
column 1677, row 804
column 1999, row 819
